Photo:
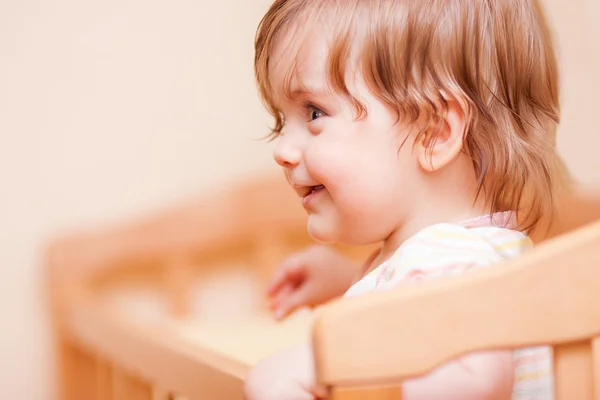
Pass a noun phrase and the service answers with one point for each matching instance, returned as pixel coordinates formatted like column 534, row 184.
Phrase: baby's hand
column 309, row 278
column 287, row 375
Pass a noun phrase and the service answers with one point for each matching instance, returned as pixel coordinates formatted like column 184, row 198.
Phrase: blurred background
column 111, row 109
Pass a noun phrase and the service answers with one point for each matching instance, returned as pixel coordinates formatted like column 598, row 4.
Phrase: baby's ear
column 443, row 140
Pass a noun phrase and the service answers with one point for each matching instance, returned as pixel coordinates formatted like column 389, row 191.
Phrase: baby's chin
column 321, row 230
column 325, row 231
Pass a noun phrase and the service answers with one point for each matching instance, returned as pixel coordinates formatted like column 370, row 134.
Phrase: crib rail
column 102, row 353
column 106, row 356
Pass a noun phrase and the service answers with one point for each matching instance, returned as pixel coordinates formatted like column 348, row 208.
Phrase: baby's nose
column 286, row 154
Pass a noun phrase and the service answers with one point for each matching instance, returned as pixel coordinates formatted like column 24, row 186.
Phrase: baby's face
column 356, row 179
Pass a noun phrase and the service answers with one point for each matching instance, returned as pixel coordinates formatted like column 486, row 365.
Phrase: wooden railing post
column 104, row 387
column 596, row 367
column 129, row 387
column 573, row 376
column 179, row 277
column 79, row 373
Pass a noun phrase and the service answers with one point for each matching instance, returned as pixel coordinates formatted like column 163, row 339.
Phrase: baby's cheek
column 328, row 164
column 355, row 181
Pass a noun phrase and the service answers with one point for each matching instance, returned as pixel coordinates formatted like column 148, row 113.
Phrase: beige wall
column 111, row 108
column 578, row 42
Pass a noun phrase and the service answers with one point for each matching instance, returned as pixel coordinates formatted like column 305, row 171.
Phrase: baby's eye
column 314, row 112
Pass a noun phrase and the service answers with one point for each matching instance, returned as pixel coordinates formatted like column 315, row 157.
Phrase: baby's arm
column 477, row 376
column 310, row 278
column 289, row 375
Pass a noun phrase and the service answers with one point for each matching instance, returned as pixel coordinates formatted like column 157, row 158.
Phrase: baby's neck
column 449, row 196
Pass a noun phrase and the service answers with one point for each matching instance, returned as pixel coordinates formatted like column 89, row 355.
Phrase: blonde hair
column 494, row 57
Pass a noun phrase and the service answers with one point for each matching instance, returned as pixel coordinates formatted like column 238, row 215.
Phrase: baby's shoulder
column 447, row 239
column 451, row 249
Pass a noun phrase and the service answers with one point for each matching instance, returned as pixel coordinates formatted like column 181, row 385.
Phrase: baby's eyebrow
column 301, row 91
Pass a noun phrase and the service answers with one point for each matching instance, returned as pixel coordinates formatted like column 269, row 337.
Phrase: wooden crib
column 172, row 305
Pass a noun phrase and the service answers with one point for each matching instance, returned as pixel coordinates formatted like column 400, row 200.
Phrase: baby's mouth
column 314, row 189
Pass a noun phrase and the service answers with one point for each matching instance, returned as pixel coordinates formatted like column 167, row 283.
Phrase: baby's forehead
column 298, row 61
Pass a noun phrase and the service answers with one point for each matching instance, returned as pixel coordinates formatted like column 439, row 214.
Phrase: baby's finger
column 320, row 392
column 290, row 303
column 290, row 270
column 278, row 297
column 277, row 281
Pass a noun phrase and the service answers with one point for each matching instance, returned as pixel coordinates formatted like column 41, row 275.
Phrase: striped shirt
column 445, row 250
